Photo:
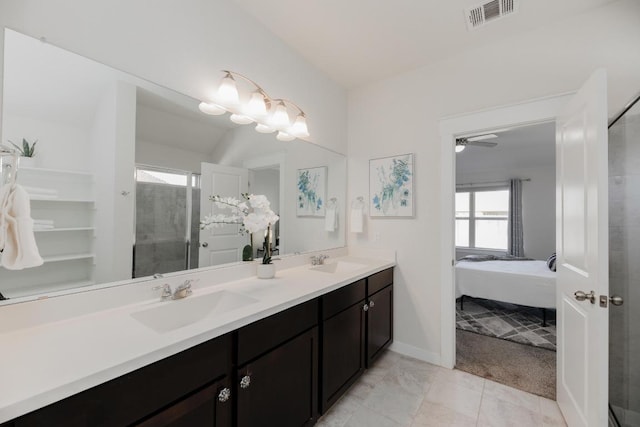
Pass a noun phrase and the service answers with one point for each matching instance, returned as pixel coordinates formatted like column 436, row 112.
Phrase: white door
column 224, row 244
column 583, row 255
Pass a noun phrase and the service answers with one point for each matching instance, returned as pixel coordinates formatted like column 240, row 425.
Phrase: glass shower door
column 624, row 268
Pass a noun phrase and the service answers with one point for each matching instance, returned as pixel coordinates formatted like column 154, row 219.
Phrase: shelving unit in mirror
column 62, row 207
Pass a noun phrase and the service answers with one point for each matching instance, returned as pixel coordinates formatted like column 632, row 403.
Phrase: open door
column 224, row 244
column 583, row 255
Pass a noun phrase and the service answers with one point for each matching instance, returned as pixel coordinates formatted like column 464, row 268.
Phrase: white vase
column 266, row 271
column 28, row 162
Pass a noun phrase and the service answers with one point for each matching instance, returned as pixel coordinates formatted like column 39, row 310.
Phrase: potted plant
column 27, row 152
column 253, row 214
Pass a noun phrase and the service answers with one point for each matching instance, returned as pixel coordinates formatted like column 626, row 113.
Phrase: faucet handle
column 166, row 290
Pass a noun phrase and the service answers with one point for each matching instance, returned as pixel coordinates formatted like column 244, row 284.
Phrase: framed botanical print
column 312, row 191
column 391, row 186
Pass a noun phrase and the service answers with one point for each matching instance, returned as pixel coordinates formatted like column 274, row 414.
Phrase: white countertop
column 49, row 361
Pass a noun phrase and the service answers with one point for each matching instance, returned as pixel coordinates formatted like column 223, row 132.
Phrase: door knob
column 616, row 300
column 205, row 244
column 581, row 296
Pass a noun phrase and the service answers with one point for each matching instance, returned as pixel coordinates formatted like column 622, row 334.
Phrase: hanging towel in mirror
column 331, row 219
column 20, row 250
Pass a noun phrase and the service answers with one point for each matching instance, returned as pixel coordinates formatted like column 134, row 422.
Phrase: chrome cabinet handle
column 581, row 296
column 372, row 304
column 245, row 382
column 365, row 307
column 205, row 245
column 224, row 395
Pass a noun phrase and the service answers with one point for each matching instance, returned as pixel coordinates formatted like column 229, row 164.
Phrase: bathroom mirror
column 123, row 169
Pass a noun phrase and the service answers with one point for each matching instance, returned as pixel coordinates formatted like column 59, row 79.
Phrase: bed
column 528, row 283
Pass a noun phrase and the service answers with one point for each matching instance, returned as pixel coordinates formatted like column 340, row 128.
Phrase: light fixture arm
column 256, row 85
column 291, row 103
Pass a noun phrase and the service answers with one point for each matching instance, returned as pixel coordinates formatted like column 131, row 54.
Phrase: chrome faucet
column 318, row 259
column 182, row 291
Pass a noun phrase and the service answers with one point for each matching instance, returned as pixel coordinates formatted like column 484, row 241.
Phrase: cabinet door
column 343, row 352
column 209, row 407
column 280, row 388
column 380, row 323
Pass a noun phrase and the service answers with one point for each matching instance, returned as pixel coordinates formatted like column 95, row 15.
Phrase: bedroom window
column 482, row 217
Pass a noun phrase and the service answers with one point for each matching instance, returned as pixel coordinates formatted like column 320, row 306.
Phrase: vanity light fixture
column 254, row 105
column 460, row 148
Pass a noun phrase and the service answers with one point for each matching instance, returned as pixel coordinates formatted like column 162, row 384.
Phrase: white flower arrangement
column 253, row 214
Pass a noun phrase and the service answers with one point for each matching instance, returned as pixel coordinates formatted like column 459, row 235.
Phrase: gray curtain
column 516, row 242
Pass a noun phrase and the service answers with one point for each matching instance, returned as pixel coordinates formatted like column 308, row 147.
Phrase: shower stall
column 167, row 221
column 624, row 271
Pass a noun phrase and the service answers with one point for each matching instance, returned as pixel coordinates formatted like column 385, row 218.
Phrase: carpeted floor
column 507, row 321
column 524, row 367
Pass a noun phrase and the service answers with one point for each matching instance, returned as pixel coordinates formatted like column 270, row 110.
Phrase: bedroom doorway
column 504, row 235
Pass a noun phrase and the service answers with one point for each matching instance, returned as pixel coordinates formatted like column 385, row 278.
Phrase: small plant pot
column 266, row 271
column 28, row 162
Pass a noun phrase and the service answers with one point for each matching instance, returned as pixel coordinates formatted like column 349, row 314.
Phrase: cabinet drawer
column 131, row 397
column 263, row 335
column 340, row 299
column 379, row 280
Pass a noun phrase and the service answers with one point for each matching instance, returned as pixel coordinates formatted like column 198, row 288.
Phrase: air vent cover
column 489, row 11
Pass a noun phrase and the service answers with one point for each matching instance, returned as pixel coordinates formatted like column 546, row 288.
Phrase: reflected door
column 582, row 260
column 223, row 244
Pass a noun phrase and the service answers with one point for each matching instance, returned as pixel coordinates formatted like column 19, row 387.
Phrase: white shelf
column 50, row 230
column 70, row 257
column 55, row 171
column 47, row 199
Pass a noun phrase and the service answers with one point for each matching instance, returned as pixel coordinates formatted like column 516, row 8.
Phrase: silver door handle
column 616, row 300
column 205, row 244
column 581, row 296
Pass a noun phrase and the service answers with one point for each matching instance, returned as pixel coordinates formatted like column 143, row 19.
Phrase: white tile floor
column 402, row 392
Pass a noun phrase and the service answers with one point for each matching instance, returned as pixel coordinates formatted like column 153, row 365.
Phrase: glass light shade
column 211, row 109
column 228, row 92
column 240, row 119
column 283, row 136
column 299, row 127
column 280, row 117
column 264, row 128
column 256, row 106
column 460, row 148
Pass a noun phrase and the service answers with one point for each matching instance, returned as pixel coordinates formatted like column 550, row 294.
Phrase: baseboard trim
column 416, row 353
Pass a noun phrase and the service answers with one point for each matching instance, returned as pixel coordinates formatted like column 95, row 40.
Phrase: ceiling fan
column 477, row 141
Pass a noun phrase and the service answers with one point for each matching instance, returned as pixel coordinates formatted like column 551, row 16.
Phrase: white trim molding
column 415, row 352
column 529, row 112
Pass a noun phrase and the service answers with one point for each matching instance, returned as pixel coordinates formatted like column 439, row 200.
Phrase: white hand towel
column 20, row 249
column 5, row 190
column 331, row 219
column 357, row 220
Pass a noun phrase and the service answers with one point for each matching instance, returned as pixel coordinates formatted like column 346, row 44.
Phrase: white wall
column 150, row 153
column 401, row 114
column 184, row 45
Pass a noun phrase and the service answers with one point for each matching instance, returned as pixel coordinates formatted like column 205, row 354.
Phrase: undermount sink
column 339, row 267
column 182, row 312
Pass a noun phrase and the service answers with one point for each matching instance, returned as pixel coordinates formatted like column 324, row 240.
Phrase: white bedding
column 529, row 283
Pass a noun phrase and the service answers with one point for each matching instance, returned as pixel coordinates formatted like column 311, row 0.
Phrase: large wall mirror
column 124, row 169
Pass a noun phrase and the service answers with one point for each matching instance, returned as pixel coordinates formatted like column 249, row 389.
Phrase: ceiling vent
column 489, row 11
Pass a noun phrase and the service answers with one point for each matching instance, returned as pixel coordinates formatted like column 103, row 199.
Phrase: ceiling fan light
column 299, row 127
column 264, row 128
column 240, row 119
column 211, row 109
column 283, row 136
column 460, row 148
column 228, row 92
column 280, row 117
column 256, row 106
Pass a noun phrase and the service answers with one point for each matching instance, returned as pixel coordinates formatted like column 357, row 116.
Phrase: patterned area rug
column 511, row 322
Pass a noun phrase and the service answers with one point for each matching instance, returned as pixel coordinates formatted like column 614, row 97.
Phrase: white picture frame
column 311, row 184
column 391, row 193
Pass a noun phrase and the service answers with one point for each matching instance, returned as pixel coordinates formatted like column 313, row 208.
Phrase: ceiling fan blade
column 482, row 144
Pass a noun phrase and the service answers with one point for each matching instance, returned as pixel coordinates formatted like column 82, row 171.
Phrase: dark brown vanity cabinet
column 277, row 376
column 343, row 340
column 278, row 371
column 187, row 388
column 379, row 313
